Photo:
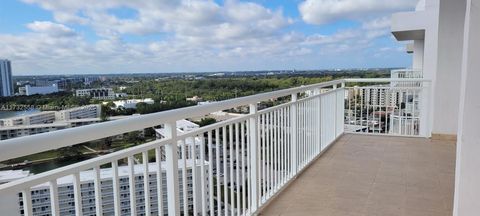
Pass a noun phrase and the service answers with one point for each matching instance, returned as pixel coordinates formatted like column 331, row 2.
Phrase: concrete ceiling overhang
column 410, row 25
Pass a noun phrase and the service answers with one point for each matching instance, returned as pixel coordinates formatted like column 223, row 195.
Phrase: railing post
column 341, row 118
column 335, row 107
column 254, row 158
column 171, row 157
column 318, row 129
column 293, row 131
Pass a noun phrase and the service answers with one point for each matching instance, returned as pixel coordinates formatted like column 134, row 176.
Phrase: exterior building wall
column 418, row 54
column 90, row 111
column 13, row 132
column 467, row 178
column 36, row 118
column 101, row 93
column 447, row 78
column 42, row 90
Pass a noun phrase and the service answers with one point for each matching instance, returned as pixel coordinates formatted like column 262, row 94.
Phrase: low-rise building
column 31, row 119
column 99, row 93
column 33, row 90
column 131, row 104
column 89, row 111
column 27, row 130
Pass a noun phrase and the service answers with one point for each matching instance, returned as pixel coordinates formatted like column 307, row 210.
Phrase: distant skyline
column 155, row 36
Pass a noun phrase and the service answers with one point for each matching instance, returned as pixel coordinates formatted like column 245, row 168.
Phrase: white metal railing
column 388, row 107
column 232, row 167
column 406, row 74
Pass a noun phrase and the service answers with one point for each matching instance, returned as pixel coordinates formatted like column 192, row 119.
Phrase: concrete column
column 418, row 51
column 467, row 179
column 446, row 87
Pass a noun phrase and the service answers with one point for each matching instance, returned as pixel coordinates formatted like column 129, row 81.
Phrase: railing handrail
column 34, row 180
column 22, row 146
column 386, row 80
column 32, row 144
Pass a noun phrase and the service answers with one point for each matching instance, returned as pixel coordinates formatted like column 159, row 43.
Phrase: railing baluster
column 183, row 151
column 243, row 160
column 210, row 173
column 27, row 202
column 146, row 183
column 275, row 156
column 97, row 181
column 232, row 176
column 249, row 165
column 237, row 165
column 77, row 193
column 54, row 198
column 218, row 168
column 193, row 158
column 131, row 180
column 158, row 162
column 269, row 154
column 115, row 185
column 172, row 169
column 225, row 169
column 202, row 175
column 263, row 149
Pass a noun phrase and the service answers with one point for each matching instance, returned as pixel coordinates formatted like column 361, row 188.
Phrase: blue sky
column 155, row 36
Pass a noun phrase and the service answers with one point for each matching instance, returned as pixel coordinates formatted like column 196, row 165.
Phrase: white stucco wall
column 467, row 182
column 449, row 64
column 418, row 53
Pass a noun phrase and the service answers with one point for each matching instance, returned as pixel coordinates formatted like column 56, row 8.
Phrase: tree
column 207, row 121
column 135, row 137
column 70, row 153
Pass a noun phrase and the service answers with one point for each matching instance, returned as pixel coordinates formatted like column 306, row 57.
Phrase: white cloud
column 50, row 28
column 193, row 19
column 183, row 35
column 325, row 11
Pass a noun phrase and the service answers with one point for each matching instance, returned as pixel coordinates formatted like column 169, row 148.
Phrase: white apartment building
column 42, row 90
column 31, row 119
column 12, row 175
column 41, row 193
column 6, row 82
column 100, row 93
column 48, row 121
column 89, row 111
column 131, row 104
column 47, row 117
column 27, row 130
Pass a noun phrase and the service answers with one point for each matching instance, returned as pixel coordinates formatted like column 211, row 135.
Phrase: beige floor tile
column 375, row 176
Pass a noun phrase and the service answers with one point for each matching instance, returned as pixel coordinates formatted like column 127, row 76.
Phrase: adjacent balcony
column 301, row 156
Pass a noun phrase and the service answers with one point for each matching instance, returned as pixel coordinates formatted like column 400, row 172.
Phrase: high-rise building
column 6, row 82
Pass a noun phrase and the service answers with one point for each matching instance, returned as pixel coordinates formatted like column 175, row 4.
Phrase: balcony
column 239, row 166
column 374, row 175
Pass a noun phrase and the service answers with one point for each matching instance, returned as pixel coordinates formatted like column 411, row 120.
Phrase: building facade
column 100, row 93
column 42, row 90
column 31, row 119
column 84, row 112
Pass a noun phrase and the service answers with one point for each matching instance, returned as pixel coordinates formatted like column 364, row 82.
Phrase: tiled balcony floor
column 371, row 175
